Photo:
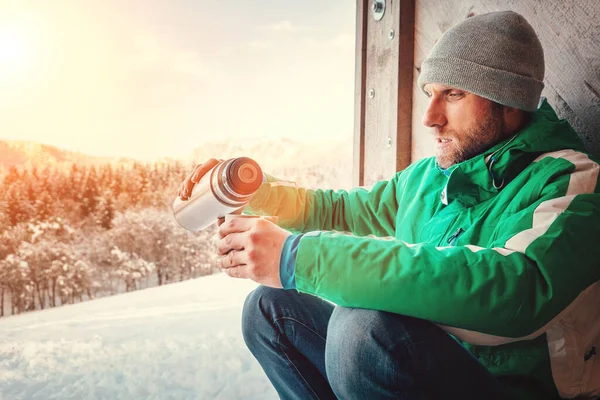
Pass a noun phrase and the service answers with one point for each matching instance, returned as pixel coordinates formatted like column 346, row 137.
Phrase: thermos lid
column 244, row 176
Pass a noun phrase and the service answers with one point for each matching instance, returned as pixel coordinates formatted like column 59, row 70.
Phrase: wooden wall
column 570, row 35
column 389, row 134
column 383, row 95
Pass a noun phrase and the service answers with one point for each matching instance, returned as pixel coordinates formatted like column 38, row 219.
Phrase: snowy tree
column 116, row 183
column 44, row 257
column 5, row 222
column 89, row 197
column 106, row 211
column 16, row 271
column 13, row 175
column 156, row 237
column 130, row 268
column 18, row 208
column 55, row 269
column 3, row 283
column 45, row 207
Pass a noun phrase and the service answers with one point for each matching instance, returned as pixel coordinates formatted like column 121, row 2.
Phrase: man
column 471, row 275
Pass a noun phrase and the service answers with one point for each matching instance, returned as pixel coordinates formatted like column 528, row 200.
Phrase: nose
column 435, row 115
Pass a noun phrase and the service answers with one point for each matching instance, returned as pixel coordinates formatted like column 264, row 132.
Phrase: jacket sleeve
column 359, row 211
column 510, row 289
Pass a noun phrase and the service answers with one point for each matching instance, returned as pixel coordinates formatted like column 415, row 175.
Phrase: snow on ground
column 180, row 341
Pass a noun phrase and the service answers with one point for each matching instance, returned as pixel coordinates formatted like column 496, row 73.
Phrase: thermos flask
column 228, row 186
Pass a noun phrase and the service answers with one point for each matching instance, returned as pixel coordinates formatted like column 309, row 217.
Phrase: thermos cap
column 247, row 173
column 244, row 176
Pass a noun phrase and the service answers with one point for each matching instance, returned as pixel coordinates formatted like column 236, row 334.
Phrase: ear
column 510, row 112
column 514, row 119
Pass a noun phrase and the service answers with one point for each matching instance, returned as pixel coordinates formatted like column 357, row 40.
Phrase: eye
column 455, row 95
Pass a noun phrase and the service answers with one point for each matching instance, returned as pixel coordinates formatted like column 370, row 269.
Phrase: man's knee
column 256, row 313
column 369, row 345
column 347, row 350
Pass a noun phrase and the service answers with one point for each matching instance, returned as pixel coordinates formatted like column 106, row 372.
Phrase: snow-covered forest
column 78, row 232
column 69, row 235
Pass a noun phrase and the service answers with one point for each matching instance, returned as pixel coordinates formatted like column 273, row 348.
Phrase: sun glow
column 15, row 51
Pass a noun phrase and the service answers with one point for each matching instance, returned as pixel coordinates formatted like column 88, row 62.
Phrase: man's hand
column 251, row 248
column 185, row 190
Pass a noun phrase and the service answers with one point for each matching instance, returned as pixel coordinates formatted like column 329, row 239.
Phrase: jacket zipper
column 452, row 239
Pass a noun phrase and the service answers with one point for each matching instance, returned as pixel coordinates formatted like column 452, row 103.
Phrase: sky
column 151, row 78
column 175, row 342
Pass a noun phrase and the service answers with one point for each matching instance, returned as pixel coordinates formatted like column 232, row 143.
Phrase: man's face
column 463, row 124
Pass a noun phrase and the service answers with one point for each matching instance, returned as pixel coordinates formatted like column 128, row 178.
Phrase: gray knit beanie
column 497, row 56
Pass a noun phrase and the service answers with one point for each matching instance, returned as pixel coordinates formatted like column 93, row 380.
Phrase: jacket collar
column 483, row 176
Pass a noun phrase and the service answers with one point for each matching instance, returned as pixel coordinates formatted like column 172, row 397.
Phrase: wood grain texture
column 386, row 69
column 358, row 164
column 405, row 82
column 570, row 35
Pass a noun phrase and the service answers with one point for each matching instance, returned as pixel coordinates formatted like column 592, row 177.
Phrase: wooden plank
column 359, row 94
column 387, row 94
column 381, row 81
column 569, row 35
column 405, row 82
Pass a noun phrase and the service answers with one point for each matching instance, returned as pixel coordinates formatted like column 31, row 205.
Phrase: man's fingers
column 236, row 212
column 235, row 225
column 194, row 176
column 237, row 272
column 202, row 169
column 233, row 241
column 233, row 259
column 184, row 192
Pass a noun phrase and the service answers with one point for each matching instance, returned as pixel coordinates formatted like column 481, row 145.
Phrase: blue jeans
column 311, row 349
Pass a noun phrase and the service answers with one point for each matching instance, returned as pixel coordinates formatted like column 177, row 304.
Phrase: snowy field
column 180, row 341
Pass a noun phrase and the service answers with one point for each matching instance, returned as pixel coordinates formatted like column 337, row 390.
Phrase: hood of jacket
column 483, row 176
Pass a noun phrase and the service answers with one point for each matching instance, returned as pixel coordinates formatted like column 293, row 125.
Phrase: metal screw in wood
column 378, row 8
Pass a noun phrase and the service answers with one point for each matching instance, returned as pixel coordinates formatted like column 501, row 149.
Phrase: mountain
column 284, row 149
column 25, row 153
column 287, row 158
column 283, row 157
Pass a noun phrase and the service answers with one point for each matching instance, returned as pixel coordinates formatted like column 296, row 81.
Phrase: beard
column 465, row 145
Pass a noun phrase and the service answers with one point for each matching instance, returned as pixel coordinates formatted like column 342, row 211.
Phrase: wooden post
column 383, row 94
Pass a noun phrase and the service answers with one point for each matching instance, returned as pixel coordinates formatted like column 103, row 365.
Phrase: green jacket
column 495, row 253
